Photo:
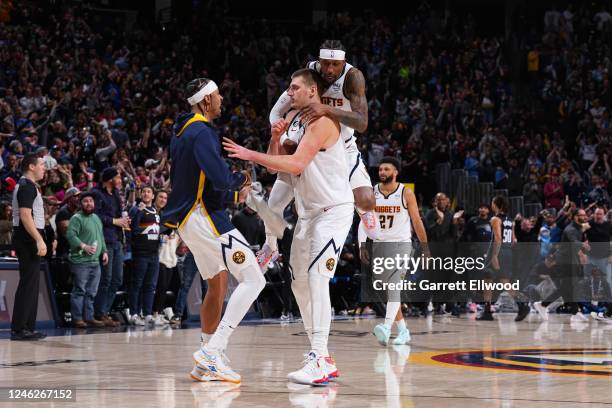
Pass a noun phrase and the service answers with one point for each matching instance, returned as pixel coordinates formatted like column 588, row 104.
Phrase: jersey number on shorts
column 384, row 219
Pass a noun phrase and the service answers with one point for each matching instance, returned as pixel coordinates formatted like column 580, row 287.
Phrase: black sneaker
column 486, row 316
column 522, row 312
column 26, row 335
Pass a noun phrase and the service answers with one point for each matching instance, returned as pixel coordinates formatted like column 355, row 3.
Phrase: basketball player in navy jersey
column 501, row 257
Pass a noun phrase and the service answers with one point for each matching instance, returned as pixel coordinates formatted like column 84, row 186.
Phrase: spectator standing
column 145, row 255
column 553, row 192
column 108, row 208
column 570, row 257
column 168, row 243
column 86, row 241
column 62, row 220
column 599, row 235
column 441, row 233
column 6, row 223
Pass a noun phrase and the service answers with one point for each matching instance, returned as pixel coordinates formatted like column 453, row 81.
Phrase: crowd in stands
column 88, row 95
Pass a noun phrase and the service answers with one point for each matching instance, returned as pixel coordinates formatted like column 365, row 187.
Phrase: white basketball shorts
column 318, row 241
column 214, row 253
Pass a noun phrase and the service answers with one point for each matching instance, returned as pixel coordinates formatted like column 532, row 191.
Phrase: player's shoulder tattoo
column 355, row 83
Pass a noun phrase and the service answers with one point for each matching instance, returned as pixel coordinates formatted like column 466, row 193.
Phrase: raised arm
column 280, row 108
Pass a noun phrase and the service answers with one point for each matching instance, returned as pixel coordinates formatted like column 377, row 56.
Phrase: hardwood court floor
column 527, row 364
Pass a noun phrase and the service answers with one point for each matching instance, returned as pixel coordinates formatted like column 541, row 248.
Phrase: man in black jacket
column 108, row 207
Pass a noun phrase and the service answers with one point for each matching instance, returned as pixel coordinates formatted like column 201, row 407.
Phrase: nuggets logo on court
column 573, row 361
column 330, row 264
column 239, row 257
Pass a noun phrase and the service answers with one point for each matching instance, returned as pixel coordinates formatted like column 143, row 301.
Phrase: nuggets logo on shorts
column 238, row 257
column 330, row 264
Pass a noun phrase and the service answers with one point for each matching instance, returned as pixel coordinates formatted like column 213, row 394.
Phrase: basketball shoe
column 382, row 333
column 216, row 362
column 312, row 373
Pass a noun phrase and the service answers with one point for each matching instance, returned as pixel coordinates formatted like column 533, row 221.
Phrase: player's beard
column 386, row 180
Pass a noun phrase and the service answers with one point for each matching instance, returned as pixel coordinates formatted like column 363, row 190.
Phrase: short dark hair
column 501, row 202
column 195, row 85
column 575, row 212
column 28, row 160
column 150, row 187
column 311, row 77
column 332, row 45
column 86, row 194
column 392, row 161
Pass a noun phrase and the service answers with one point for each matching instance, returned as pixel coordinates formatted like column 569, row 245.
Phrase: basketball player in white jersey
column 325, row 205
column 396, row 209
column 344, row 101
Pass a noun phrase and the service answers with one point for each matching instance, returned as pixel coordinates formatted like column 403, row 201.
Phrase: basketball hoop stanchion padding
column 47, row 313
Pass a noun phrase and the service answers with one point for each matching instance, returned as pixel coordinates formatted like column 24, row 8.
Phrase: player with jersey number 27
column 397, row 211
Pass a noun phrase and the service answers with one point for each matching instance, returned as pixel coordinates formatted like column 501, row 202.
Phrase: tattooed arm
column 354, row 89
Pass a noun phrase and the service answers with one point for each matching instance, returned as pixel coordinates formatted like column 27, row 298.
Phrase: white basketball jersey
column 393, row 215
column 324, row 182
column 334, row 96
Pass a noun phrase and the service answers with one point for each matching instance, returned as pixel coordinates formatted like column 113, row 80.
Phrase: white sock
column 251, row 283
column 271, row 240
column 281, row 194
column 321, row 312
column 401, row 325
column 275, row 223
column 219, row 340
column 301, row 291
column 392, row 309
column 205, row 338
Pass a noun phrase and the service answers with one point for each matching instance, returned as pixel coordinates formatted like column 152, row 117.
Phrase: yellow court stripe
column 426, row 358
column 580, row 367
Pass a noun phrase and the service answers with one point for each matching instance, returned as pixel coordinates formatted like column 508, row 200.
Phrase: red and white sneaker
column 312, row 373
column 329, row 366
column 266, row 255
column 370, row 224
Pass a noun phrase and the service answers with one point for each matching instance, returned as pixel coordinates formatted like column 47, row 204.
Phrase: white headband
column 207, row 90
column 337, row 55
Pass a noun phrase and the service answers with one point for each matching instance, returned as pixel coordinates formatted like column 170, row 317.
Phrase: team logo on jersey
column 330, row 263
column 572, row 361
column 238, row 257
